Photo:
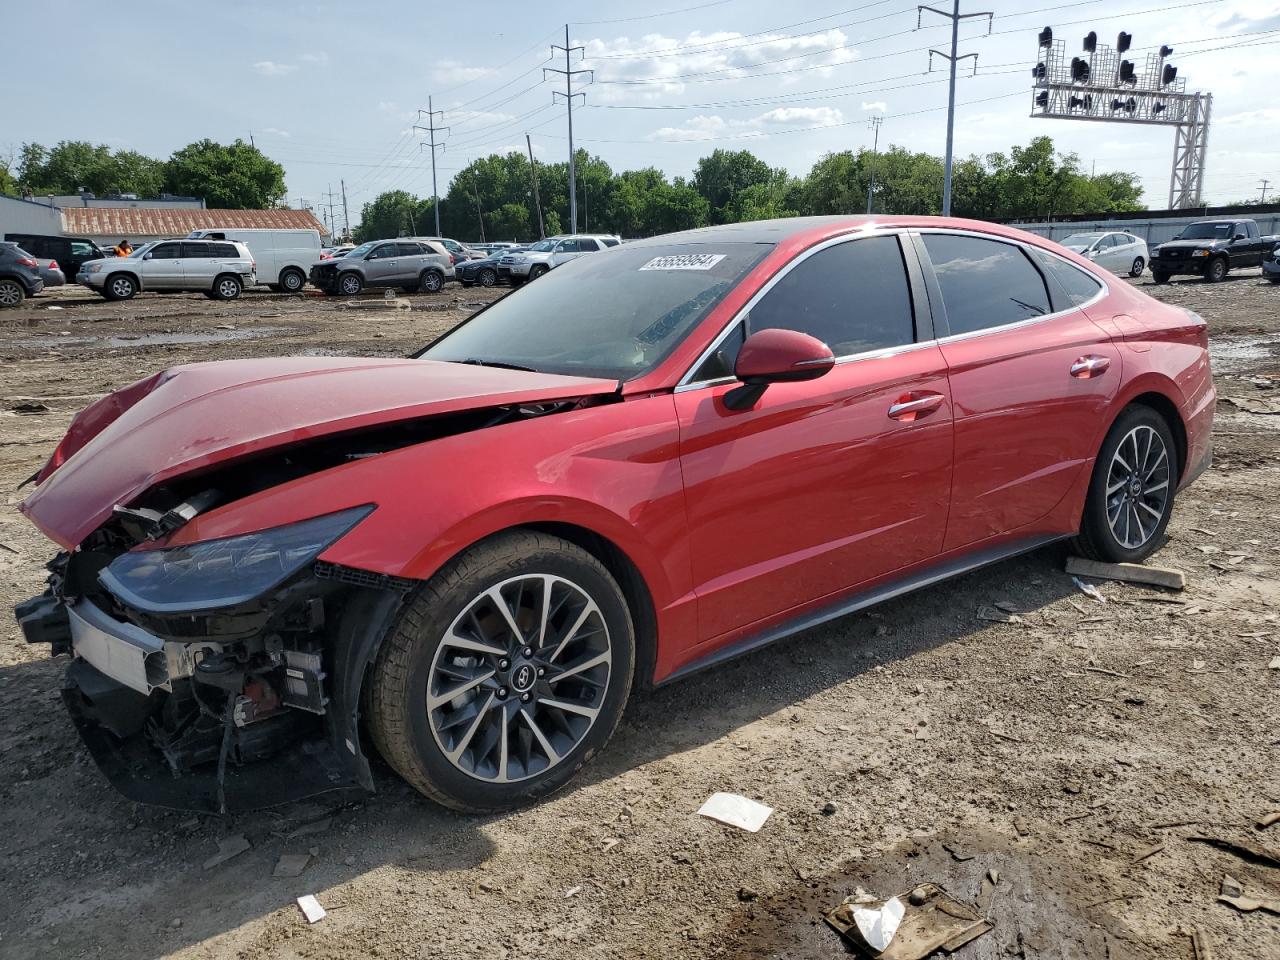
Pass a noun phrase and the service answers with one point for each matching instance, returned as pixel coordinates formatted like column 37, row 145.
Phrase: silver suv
column 220, row 269
column 411, row 265
column 549, row 253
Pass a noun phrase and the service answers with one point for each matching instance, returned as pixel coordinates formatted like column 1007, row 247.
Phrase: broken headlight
column 226, row 572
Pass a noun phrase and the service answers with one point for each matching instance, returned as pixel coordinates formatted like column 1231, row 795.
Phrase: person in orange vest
column 124, row 248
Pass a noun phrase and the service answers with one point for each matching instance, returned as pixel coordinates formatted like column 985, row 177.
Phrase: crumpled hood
column 192, row 417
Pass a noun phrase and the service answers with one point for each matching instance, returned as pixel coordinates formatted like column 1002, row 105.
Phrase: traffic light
column 1086, row 101
column 1165, row 51
column 1091, row 41
column 1128, row 106
column 1039, row 71
column 1046, row 36
column 1168, row 74
column 1123, row 41
column 1042, row 98
column 1079, row 70
column 1128, row 73
column 1158, row 108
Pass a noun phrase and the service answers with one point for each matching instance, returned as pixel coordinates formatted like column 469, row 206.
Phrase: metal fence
column 1152, row 230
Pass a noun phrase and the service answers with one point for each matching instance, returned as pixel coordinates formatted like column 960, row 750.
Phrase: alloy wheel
column 519, row 678
column 122, row 288
column 488, row 278
column 228, row 289
column 10, row 294
column 1138, row 487
column 350, row 285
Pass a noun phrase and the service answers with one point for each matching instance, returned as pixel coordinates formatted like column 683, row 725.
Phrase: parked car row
column 1206, row 248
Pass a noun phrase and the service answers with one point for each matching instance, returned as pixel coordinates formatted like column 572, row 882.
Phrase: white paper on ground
column 736, row 811
column 878, row 926
column 311, row 908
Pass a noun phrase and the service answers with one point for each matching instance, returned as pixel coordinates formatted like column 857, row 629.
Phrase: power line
column 432, row 144
column 652, row 16
column 569, row 73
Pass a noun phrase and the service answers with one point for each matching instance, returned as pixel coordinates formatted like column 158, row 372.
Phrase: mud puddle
column 149, row 339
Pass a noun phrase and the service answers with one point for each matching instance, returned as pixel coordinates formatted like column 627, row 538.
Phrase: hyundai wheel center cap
column 522, row 677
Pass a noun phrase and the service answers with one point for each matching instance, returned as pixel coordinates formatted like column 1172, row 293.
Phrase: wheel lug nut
column 503, row 664
column 502, row 693
column 524, row 697
column 528, row 651
column 541, row 672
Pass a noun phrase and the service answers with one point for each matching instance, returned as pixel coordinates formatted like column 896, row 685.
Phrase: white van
column 284, row 257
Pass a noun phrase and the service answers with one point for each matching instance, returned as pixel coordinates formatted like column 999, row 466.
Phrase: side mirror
column 776, row 356
column 146, row 256
column 1238, row 236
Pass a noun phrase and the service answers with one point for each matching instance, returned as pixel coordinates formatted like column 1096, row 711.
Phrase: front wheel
column 120, row 287
column 1136, row 268
column 1216, row 270
column 1131, row 491
column 350, row 284
column 1159, row 276
column 504, row 674
column 537, row 270
column 12, row 293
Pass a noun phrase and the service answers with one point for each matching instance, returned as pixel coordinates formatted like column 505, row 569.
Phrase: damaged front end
column 222, row 675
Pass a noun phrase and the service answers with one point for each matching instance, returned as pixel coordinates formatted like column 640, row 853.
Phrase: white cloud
column 704, row 127
column 269, row 68
column 877, row 105
column 666, row 61
column 452, row 72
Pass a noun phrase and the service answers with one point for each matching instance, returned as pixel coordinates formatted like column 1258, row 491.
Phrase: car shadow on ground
column 116, row 858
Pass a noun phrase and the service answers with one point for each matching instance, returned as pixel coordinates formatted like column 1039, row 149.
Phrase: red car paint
column 736, row 521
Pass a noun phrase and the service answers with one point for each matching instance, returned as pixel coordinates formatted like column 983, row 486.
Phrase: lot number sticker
column 686, row 261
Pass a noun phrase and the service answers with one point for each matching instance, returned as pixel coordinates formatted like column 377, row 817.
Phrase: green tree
column 233, row 177
column 396, row 213
column 75, row 164
column 724, row 174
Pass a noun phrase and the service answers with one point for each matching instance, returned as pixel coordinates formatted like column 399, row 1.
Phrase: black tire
column 120, row 286
column 488, row 277
column 1097, row 539
column 1215, row 270
column 1274, row 277
column 467, row 283
column 349, row 284
column 1159, row 276
column 12, row 293
column 227, row 286
column 404, row 672
column 537, row 270
column 431, row 281
column 292, row 280
column 1136, row 268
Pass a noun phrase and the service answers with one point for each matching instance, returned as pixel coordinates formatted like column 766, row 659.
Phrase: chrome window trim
column 866, row 230
column 685, row 383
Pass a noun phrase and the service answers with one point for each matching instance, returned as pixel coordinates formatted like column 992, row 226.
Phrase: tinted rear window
column 1069, row 285
column 985, row 283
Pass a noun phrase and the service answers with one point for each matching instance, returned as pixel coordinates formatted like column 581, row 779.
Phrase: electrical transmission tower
column 569, row 73
column 332, row 220
column 955, row 16
column 432, row 144
column 1102, row 86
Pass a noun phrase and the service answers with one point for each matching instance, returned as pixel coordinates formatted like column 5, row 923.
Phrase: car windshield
column 542, row 246
column 616, row 314
column 1081, row 239
column 361, row 250
column 1206, row 231
column 139, row 251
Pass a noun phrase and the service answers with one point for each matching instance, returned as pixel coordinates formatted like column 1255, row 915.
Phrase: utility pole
column 955, row 16
column 874, row 122
column 479, row 214
column 346, row 220
column 533, row 169
column 1266, row 185
column 569, row 73
column 432, row 144
column 333, row 220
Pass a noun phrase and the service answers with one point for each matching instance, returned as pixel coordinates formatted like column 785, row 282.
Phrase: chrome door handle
column 910, row 407
column 1090, row 366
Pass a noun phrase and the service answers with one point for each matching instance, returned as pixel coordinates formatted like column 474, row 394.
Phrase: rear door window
column 409, row 250
column 853, row 296
column 985, row 283
column 1069, row 285
column 197, row 251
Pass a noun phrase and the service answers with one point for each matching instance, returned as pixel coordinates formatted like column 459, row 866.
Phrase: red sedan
column 649, row 461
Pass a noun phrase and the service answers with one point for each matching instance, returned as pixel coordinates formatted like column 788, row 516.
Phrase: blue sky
column 331, row 90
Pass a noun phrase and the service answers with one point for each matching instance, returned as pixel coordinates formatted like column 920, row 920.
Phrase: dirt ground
column 914, row 742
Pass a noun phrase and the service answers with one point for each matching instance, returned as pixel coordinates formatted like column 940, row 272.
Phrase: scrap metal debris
column 1128, row 573
column 735, row 810
column 931, row 920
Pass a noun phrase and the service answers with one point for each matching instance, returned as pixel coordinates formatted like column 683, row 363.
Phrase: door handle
column 1090, row 366
column 911, row 406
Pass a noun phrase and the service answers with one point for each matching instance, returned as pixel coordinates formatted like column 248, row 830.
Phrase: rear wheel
column 227, row 287
column 120, row 287
column 431, row 281
column 1136, row 268
column 1131, row 492
column 12, row 293
column 291, row 279
column 504, row 674
column 1159, row 276
column 1216, row 270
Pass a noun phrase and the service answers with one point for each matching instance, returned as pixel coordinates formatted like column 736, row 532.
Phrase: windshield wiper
column 500, row 364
